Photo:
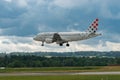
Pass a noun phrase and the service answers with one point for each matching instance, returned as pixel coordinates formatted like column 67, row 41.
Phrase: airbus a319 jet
column 66, row 37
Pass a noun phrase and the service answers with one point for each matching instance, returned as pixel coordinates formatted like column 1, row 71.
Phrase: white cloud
column 8, row 0
column 113, row 46
column 26, row 44
column 107, row 12
column 70, row 3
column 105, row 8
column 22, row 3
column 29, row 3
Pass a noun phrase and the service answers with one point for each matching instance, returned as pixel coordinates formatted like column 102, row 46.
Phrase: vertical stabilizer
column 93, row 27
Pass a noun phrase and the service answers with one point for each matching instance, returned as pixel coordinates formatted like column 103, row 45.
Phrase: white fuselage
column 65, row 36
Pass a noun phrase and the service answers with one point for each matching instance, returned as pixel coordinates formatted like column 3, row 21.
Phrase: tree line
column 37, row 61
column 111, row 54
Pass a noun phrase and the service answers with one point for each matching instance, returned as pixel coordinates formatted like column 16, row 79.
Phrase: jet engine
column 48, row 40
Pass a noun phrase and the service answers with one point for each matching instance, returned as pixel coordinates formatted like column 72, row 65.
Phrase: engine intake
column 48, row 40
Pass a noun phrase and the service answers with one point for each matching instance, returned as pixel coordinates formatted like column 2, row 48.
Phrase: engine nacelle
column 48, row 40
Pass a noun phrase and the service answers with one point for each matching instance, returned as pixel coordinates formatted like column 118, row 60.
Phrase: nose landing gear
column 42, row 44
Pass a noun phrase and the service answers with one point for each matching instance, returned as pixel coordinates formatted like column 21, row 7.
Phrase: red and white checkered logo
column 94, row 26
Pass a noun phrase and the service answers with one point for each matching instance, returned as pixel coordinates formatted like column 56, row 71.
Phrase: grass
column 62, row 69
column 65, row 77
column 49, row 69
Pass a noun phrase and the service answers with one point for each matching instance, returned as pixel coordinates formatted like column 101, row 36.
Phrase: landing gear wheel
column 67, row 45
column 61, row 44
column 42, row 44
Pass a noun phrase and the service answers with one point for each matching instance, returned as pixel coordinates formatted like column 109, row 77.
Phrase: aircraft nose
column 35, row 38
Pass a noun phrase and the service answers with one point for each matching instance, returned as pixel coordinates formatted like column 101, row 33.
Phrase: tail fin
column 93, row 27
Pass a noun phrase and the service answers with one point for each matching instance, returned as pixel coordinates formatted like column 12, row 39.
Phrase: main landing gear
column 61, row 44
column 67, row 45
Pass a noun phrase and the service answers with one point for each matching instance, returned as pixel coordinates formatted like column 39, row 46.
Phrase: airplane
column 65, row 37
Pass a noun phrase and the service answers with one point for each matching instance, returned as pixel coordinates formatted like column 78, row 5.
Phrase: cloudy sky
column 21, row 20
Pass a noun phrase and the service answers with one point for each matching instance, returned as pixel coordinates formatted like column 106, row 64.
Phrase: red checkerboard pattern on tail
column 93, row 27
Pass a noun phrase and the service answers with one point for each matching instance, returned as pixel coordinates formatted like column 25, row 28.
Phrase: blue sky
column 20, row 20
